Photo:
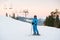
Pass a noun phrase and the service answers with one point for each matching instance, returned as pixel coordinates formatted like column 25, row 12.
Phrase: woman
column 34, row 23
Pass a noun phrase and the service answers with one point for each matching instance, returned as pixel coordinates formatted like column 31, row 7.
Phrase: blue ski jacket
column 35, row 22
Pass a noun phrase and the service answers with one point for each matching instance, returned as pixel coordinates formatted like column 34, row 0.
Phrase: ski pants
column 35, row 30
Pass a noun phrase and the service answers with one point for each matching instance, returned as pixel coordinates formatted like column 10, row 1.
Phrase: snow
column 11, row 29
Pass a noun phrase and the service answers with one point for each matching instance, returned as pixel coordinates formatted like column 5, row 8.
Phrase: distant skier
column 34, row 23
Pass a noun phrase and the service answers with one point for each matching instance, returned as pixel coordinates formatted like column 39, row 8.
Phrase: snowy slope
column 11, row 29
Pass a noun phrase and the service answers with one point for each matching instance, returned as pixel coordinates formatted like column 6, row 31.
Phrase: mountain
column 11, row 29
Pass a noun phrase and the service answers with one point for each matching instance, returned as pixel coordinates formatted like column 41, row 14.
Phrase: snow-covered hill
column 11, row 29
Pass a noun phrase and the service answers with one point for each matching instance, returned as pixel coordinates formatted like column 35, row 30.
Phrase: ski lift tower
column 25, row 11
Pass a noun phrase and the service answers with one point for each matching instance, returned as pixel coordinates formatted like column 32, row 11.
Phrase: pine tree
column 6, row 14
column 49, row 20
column 57, row 21
column 13, row 15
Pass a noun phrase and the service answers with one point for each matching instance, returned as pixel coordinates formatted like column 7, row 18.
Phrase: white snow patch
column 11, row 29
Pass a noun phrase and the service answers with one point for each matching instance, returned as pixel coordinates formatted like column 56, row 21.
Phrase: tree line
column 53, row 19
